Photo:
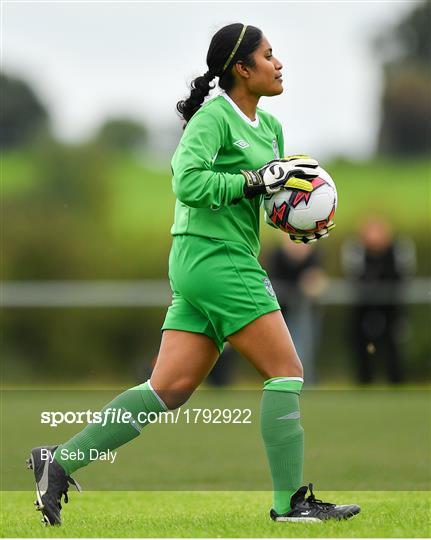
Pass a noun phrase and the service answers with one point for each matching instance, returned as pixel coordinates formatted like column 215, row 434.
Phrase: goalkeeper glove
column 292, row 172
column 312, row 237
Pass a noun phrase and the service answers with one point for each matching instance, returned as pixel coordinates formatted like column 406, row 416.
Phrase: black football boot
column 312, row 510
column 51, row 483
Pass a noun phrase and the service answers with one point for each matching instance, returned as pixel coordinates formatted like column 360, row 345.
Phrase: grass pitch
column 357, row 440
column 213, row 514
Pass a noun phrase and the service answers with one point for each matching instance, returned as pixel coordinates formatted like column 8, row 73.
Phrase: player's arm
column 195, row 183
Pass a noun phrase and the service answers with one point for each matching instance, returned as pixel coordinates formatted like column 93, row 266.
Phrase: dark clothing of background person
column 378, row 271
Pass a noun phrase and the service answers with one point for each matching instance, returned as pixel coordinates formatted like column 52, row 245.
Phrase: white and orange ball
column 297, row 212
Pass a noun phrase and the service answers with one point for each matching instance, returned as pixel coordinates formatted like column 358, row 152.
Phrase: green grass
column 399, row 190
column 370, row 447
column 142, row 198
column 355, row 440
column 139, row 209
column 17, row 172
column 396, row 190
column 213, row 514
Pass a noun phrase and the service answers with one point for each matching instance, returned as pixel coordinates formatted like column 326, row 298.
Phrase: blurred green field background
column 82, row 212
column 115, row 213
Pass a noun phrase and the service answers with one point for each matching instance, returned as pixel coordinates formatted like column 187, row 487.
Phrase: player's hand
column 294, row 172
column 313, row 237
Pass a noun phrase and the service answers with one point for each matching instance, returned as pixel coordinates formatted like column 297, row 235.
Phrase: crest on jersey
column 275, row 148
column 268, row 287
column 241, row 143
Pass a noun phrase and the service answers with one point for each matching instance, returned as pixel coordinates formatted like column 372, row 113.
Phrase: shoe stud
column 45, row 521
column 38, row 506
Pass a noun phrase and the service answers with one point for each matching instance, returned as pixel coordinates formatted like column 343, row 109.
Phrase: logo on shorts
column 268, row 287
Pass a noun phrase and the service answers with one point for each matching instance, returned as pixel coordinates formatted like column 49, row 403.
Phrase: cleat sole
column 350, row 516
column 312, row 520
column 299, row 520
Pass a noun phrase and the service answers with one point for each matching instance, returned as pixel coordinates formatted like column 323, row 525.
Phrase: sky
column 89, row 61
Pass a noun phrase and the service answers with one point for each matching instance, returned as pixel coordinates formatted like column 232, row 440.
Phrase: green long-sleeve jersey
column 218, row 142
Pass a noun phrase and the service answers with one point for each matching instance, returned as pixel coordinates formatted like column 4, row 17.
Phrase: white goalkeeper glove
column 292, row 172
column 312, row 237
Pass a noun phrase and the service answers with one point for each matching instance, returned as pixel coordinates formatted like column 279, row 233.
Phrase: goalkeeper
column 228, row 158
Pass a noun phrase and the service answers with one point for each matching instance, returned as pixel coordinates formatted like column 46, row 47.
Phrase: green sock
column 283, row 437
column 81, row 449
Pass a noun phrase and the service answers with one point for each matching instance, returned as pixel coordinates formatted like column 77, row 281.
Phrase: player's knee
column 298, row 369
column 176, row 394
column 176, row 399
column 287, row 367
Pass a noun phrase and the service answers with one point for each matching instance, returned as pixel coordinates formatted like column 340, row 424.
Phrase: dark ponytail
column 220, row 49
column 200, row 88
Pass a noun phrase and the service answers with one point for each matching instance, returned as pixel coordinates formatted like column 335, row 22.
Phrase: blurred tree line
column 55, row 221
column 24, row 120
column 22, row 115
column 59, row 224
column 405, row 49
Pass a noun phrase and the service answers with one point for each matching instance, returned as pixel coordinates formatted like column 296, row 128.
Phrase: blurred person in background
column 299, row 280
column 378, row 264
column 222, row 372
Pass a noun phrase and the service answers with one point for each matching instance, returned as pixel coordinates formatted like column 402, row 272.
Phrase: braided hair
column 221, row 46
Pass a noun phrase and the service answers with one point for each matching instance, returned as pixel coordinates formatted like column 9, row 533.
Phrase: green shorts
column 218, row 287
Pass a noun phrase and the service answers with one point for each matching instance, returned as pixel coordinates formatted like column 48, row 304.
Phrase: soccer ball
column 302, row 212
